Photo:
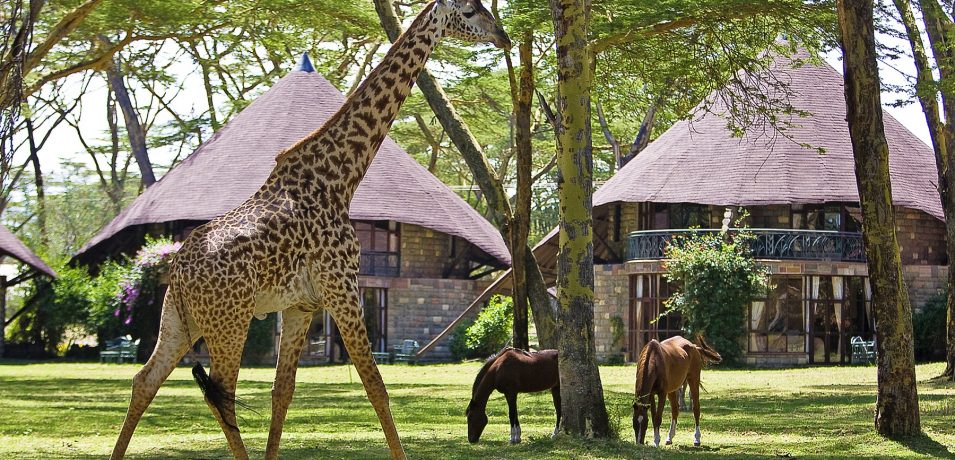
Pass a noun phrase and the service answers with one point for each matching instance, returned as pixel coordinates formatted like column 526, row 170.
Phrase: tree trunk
column 491, row 186
column 896, row 412
column 583, row 410
column 134, row 129
column 520, row 230
column 940, row 29
column 38, row 181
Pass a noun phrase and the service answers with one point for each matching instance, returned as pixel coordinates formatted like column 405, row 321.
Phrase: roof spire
column 304, row 64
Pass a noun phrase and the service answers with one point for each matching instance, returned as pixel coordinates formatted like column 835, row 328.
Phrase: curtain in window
column 837, row 305
column 868, row 304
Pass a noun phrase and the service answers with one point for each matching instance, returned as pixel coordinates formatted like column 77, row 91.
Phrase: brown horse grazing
column 512, row 371
column 662, row 369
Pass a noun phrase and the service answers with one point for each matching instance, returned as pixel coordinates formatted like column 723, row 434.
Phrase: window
column 380, row 245
column 648, row 294
column 776, row 323
column 817, row 217
column 688, row 215
column 839, row 309
column 325, row 341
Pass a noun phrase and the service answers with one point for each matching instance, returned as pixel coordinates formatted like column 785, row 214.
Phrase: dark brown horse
column 663, row 367
column 512, row 371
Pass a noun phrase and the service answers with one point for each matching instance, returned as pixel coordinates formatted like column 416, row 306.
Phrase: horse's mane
column 647, row 367
column 485, row 367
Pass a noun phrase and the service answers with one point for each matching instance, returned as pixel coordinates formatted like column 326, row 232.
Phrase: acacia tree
column 582, row 403
column 896, row 411
column 938, row 104
column 491, row 185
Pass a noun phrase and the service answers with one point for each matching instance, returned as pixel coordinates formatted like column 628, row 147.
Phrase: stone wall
column 611, row 298
column 921, row 237
column 425, row 253
column 420, row 309
column 923, row 282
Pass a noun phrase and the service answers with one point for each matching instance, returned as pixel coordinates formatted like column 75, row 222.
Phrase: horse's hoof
column 696, row 444
column 669, row 442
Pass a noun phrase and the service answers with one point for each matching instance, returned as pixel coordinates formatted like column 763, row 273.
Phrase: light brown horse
column 663, row 367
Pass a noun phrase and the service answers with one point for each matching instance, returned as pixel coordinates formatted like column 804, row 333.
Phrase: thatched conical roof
column 700, row 161
column 11, row 246
column 228, row 168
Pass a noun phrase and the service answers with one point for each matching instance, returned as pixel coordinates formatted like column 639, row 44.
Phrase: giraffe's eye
column 468, row 14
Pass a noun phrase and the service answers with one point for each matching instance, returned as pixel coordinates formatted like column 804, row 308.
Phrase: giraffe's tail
column 216, row 394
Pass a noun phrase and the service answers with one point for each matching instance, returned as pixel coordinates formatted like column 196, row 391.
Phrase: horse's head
column 640, row 418
column 477, row 420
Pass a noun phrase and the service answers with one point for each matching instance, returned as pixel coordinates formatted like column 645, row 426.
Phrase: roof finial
column 304, row 64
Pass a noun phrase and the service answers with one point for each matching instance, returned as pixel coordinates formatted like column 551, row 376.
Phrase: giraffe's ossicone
column 291, row 247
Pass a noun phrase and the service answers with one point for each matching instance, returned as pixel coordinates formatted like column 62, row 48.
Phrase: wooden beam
column 477, row 302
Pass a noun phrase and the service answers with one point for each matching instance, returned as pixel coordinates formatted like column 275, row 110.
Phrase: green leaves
column 719, row 278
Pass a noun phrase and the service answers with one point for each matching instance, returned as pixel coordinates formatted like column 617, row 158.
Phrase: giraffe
column 291, row 247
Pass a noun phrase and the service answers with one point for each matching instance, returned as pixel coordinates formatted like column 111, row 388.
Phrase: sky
column 64, row 144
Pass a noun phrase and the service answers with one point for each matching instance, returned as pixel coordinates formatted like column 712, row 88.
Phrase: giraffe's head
column 468, row 20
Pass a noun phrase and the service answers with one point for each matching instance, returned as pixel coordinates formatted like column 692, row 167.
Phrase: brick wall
column 611, row 298
column 425, row 253
column 419, row 309
column 923, row 282
column 921, row 237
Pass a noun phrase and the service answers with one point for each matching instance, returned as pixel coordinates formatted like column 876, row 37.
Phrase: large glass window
column 776, row 323
column 840, row 309
column 325, row 341
column 648, row 294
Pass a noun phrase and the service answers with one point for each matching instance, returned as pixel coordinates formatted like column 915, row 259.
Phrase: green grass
column 61, row 410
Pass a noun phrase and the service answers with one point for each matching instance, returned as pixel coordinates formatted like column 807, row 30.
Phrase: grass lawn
column 63, row 410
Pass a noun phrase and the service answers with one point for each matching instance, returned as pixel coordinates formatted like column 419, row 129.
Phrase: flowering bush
column 138, row 285
column 718, row 278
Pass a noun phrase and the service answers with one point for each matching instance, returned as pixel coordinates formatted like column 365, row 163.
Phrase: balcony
column 374, row 263
column 770, row 243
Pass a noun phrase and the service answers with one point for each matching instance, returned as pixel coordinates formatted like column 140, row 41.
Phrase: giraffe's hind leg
column 343, row 303
column 294, row 334
column 225, row 355
column 174, row 340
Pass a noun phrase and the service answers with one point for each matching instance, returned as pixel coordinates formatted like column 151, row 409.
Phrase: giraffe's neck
column 336, row 156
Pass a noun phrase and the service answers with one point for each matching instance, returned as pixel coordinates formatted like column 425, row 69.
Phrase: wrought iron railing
column 379, row 264
column 768, row 243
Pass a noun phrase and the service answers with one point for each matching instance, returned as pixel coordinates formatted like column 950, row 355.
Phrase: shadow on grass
column 925, row 445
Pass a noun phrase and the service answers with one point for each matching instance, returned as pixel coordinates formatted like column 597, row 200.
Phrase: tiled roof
column 700, row 162
column 229, row 167
column 11, row 246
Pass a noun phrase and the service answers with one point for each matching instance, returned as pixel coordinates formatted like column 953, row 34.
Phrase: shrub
column 719, row 278
column 487, row 334
column 928, row 327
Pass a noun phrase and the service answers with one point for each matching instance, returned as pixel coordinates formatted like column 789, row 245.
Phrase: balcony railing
column 769, row 243
column 379, row 264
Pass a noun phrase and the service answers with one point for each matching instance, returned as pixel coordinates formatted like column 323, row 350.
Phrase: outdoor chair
column 407, row 351
column 862, row 351
column 384, row 357
column 119, row 350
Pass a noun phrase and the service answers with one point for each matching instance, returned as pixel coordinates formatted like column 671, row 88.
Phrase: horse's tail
column 649, row 357
column 709, row 354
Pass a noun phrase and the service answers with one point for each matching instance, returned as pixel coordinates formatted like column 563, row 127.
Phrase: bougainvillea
column 137, row 287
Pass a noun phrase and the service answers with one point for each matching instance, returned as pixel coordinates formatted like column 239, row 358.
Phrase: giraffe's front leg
column 294, row 334
column 342, row 301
